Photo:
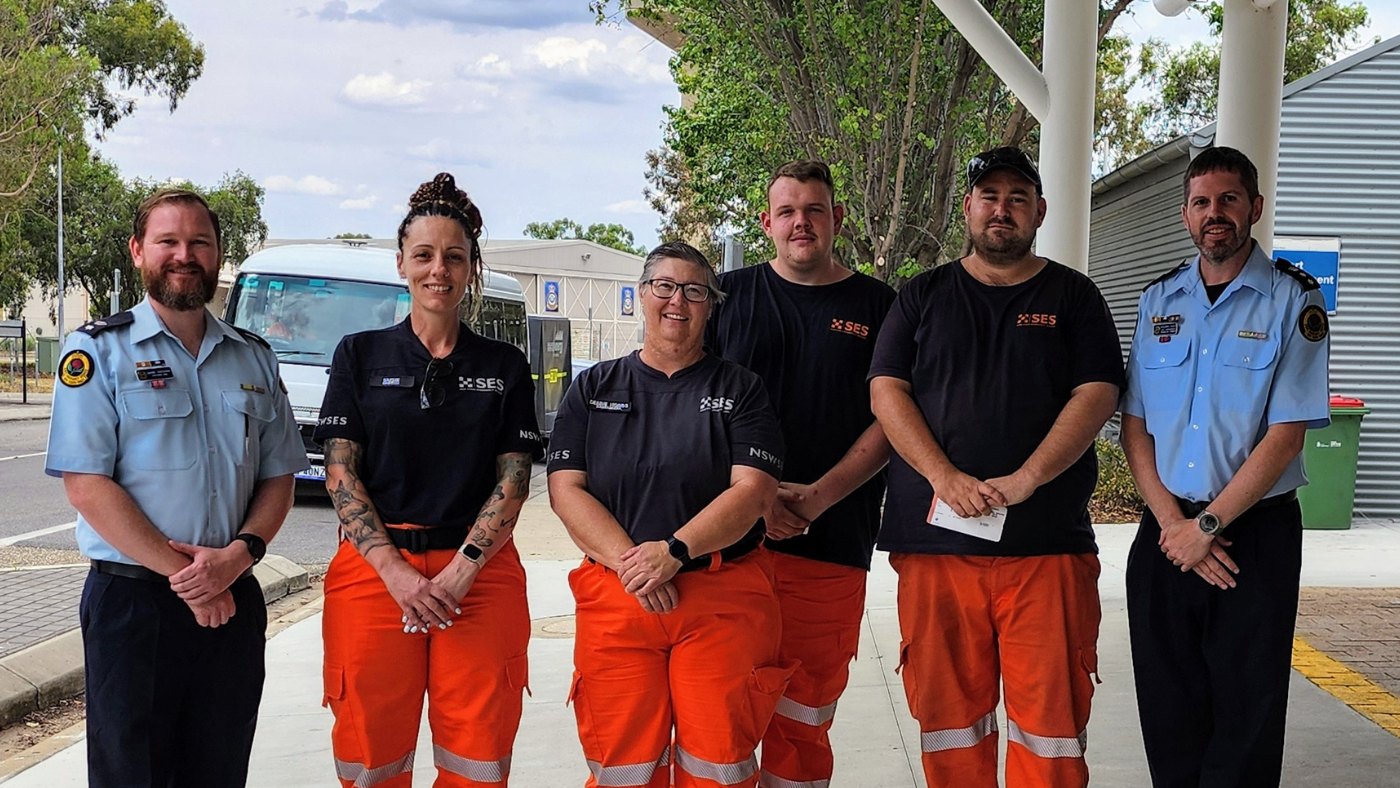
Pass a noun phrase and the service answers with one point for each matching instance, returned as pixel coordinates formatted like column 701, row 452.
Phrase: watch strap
column 257, row 547
column 679, row 550
column 473, row 553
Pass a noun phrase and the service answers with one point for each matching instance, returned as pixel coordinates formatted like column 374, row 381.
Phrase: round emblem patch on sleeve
column 75, row 369
column 1312, row 324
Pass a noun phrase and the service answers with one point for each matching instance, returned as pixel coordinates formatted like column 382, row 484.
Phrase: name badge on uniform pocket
column 610, row 407
column 401, row 382
column 154, row 373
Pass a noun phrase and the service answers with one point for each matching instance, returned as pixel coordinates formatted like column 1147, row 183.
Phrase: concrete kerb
column 51, row 670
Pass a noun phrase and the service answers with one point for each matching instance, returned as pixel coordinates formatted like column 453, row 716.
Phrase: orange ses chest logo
column 1041, row 321
column 850, row 327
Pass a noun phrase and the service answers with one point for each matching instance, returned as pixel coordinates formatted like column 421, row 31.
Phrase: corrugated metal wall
column 1339, row 175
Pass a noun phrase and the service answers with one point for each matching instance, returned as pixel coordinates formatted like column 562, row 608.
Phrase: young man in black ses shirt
column 807, row 326
column 992, row 375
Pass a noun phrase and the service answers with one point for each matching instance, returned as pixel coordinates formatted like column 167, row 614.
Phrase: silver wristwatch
column 1209, row 523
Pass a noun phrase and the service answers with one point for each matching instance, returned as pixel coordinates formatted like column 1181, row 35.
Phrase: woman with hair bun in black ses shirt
column 660, row 465
column 429, row 434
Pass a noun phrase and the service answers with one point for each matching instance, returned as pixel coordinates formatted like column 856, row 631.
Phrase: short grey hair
column 680, row 250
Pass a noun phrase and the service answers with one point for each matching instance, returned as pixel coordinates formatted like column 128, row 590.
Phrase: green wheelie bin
column 1329, row 456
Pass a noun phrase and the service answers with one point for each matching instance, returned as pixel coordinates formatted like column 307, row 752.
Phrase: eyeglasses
column 665, row 288
column 434, row 392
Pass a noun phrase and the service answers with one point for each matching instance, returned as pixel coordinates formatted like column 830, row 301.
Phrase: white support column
column 1067, row 130
column 1250, row 106
column 992, row 43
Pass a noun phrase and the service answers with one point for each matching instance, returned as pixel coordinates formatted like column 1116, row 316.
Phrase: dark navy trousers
column 1212, row 666
column 170, row 704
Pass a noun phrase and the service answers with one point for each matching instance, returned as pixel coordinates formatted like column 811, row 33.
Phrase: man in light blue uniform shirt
column 176, row 444
column 1228, row 371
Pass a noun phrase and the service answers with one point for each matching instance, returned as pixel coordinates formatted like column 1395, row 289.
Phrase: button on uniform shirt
column 1209, row 379
column 657, row 450
column 433, row 467
column 811, row 345
column 186, row 436
column 991, row 369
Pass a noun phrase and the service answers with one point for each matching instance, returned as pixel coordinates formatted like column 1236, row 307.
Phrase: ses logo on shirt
column 1037, row 320
column 333, row 421
column 850, row 327
column 716, row 405
column 768, row 457
column 559, row 454
column 481, row 384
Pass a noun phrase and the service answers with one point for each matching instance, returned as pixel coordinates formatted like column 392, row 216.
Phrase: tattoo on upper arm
column 514, row 469
column 358, row 520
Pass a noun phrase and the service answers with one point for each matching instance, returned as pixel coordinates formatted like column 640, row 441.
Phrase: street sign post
column 14, row 329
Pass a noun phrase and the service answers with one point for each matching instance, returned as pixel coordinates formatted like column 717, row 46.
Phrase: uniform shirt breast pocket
column 159, row 432
column 248, row 412
column 1246, row 373
column 1166, row 375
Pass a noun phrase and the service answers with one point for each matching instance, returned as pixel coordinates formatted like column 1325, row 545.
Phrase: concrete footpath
column 876, row 740
column 13, row 407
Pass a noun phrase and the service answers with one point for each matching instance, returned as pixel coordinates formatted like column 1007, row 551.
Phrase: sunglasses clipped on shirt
column 665, row 288
column 434, row 391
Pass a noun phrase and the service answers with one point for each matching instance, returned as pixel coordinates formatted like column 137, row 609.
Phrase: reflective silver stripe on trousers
column 770, row 780
column 628, row 774
column 959, row 738
column 365, row 777
column 479, row 771
column 1048, row 746
column 807, row 715
column 722, row 773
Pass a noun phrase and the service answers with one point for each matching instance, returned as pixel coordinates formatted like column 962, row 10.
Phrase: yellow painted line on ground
column 1364, row 696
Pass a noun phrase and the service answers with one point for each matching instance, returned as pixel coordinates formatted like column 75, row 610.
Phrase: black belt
column 743, row 547
column 1193, row 508
column 421, row 540
column 136, row 572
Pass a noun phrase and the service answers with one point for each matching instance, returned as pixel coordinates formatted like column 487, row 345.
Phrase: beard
column 1221, row 248
column 1004, row 248
column 181, row 299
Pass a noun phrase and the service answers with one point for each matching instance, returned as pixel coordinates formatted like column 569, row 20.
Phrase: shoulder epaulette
column 251, row 336
column 95, row 327
column 1304, row 278
column 1167, row 275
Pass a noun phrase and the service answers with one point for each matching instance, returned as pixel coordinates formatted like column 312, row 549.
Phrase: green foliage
column 1182, row 83
column 139, row 46
column 98, row 210
column 353, row 236
column 1116, row 498
column 614, row 236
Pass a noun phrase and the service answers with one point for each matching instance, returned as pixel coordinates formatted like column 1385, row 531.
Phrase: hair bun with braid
column 441, row 197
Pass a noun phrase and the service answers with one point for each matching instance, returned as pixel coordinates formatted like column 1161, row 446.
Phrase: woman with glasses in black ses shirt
column 429, row 434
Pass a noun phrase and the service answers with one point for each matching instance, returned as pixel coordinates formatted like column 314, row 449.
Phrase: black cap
column 1002, row 158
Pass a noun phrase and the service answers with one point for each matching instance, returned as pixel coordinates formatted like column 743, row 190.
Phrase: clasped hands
column 1194, row 550
column 203, row 585
column 646, row 571
column 969, row 497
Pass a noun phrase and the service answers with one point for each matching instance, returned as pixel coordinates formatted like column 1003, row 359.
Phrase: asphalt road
column 32, row 501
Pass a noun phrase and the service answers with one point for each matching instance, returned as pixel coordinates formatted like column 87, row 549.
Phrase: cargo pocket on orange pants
column 767, row 684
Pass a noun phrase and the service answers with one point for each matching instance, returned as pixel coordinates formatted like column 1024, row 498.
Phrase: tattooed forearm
column 358, row 519
column 498, row 515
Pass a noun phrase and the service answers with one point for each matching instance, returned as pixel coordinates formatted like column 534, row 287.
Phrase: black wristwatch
column 257, row 548
column 473, row 553
column 1209, row 523
column 678, row 550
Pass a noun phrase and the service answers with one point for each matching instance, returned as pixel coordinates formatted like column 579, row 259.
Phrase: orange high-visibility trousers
column 822, row 606
column 709, row 668
column 376, row 675
column 1033, row 623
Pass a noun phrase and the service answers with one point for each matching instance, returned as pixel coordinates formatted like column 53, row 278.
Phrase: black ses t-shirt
column 658, row 450
column 991, row 369
column 812, row 346
column 432, row 467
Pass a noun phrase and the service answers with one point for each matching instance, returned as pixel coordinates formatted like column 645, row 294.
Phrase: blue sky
column 341, row 107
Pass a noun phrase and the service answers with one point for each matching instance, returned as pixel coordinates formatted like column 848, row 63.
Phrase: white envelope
column 989, row 527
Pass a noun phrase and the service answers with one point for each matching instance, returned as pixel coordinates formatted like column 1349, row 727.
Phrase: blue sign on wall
column 551, row 296
column 1320, row 257
column 629, row 300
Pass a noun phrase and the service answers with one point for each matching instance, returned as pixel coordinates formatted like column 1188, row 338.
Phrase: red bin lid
column 1345, row 402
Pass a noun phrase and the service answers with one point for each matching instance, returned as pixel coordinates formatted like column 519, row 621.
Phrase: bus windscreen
column 304, row 319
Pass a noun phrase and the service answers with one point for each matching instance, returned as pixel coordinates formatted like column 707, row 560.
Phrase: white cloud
column 361, row 204
column 629, row 206
column 493, row 64
column 310, row 184
column 560, row 51
column 384, row 90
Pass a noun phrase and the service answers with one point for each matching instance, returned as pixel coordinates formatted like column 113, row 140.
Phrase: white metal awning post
column 1061, row 98
column 1250, row 105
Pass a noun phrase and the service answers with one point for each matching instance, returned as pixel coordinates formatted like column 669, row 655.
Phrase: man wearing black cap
column 991, row 376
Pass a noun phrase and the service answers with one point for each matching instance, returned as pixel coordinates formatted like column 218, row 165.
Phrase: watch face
column 1208, row 522
column 471, row 552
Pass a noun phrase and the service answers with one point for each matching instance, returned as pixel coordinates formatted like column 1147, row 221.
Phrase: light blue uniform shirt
column 186, row 437
column 1210, row 379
